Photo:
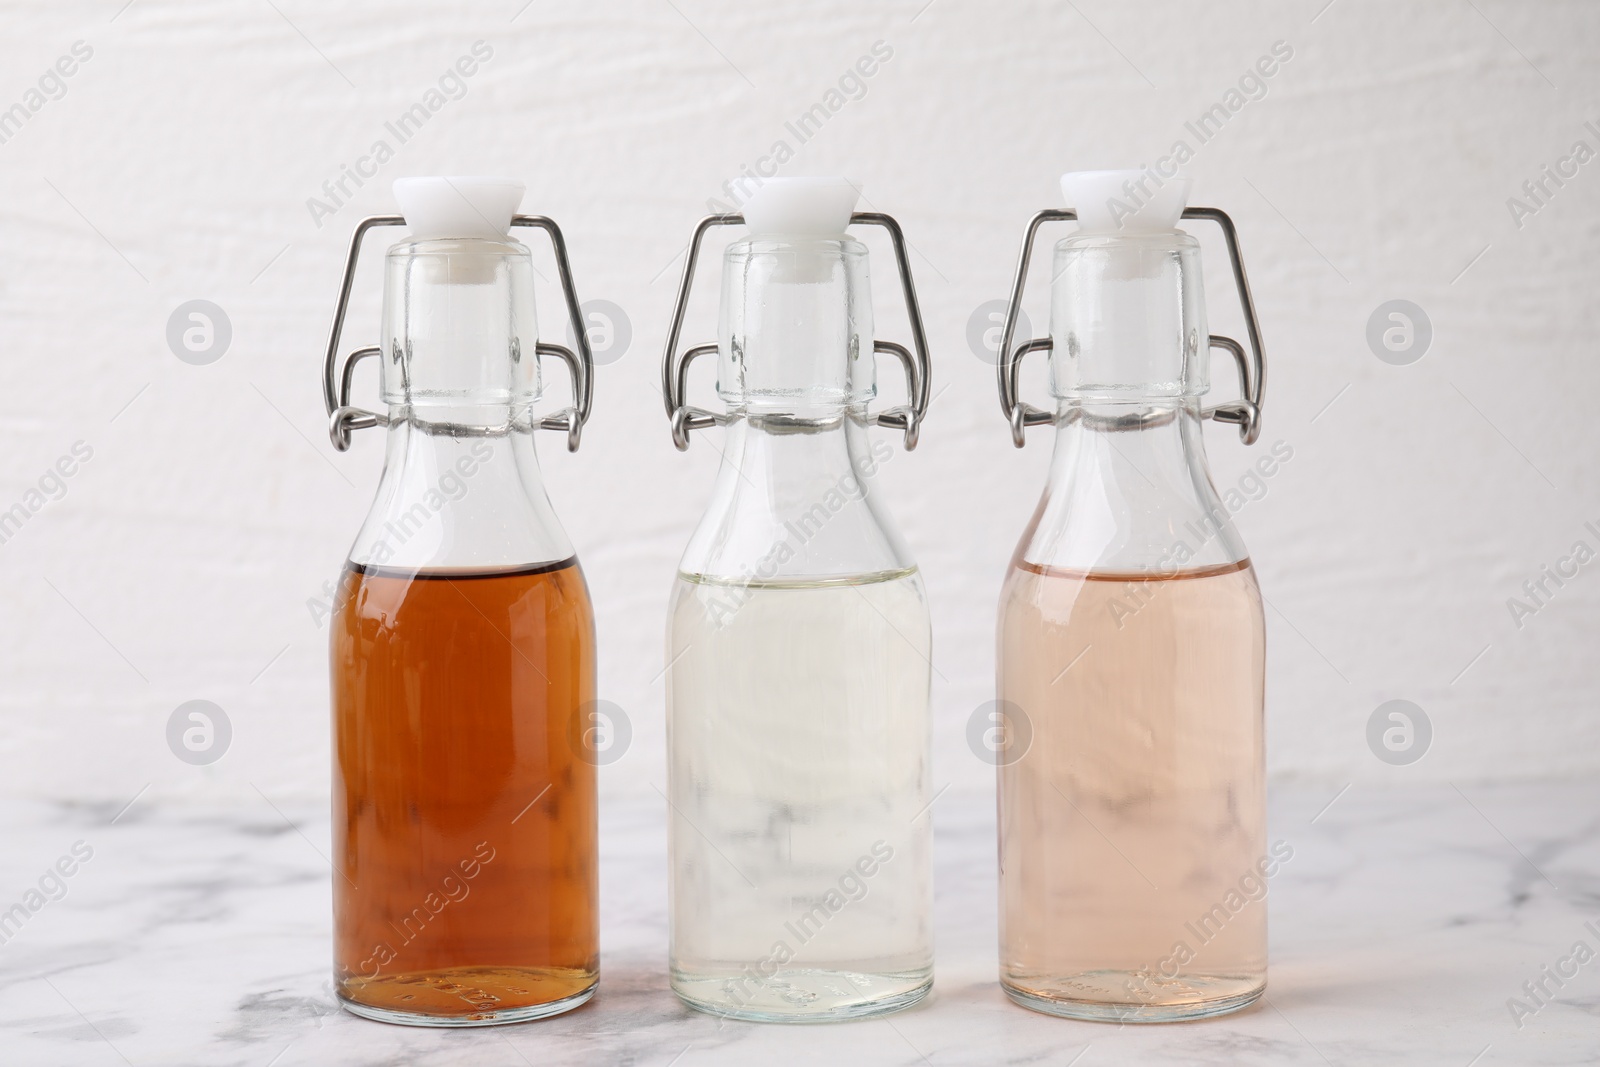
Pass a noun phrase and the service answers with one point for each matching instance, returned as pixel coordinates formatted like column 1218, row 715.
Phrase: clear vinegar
column 1134, row 823
column 800, row 841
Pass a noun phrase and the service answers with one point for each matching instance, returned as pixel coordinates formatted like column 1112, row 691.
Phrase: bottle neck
column 795, row 331
column 456, row 497
column 1127, row 318
column 460, row 333
column 1130, row 492
column 795, row 500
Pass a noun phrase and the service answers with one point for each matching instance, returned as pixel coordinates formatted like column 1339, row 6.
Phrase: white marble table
column 1401, row 927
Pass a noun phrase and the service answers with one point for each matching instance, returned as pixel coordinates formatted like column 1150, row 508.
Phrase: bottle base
column 1100, row 996
column 462, row 998
column 802, row 996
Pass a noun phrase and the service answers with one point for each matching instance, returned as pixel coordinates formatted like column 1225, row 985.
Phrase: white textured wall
column 1377, row 166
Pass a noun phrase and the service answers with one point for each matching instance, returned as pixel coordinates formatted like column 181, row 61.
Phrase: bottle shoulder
column 1131, row 503
column 796, row 510
column 448, row 503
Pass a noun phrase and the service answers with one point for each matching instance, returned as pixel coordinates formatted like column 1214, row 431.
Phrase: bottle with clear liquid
column 462, row 651
column 798, row 642
column 1131, row 645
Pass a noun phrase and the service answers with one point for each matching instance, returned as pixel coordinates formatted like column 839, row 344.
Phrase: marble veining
column 1403, row 925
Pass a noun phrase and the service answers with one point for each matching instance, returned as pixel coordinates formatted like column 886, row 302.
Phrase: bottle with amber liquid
column 1131, row 649
column 463, row 658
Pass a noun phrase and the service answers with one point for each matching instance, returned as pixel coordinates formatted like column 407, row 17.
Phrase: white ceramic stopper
column 1125, row 201
column 458, row 207
column 801, row 207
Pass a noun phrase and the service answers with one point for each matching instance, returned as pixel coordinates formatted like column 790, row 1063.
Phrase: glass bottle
column 462, row 651
column 1131, row 647
column 798, row 642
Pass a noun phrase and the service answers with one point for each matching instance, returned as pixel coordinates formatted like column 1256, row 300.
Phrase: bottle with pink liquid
column 1131, row 646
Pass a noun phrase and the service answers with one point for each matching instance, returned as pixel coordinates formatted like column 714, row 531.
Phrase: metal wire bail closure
column 675, row 365
column 337, row 374
column 1245, row 412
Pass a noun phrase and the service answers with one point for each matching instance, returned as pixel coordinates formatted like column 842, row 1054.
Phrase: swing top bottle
column 798, row 644
column 1131, row 643
column 462, row 647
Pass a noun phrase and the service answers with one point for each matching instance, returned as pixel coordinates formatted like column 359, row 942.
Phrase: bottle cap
column 796, row 207
column 458, row 207
column 1125, row 201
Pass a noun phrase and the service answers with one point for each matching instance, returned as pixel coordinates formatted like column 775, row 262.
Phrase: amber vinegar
column 464, row 811
column 463, row 648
